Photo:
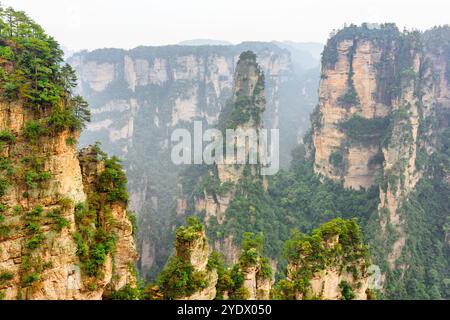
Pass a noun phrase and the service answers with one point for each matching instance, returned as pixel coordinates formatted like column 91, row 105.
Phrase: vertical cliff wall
column 45, row 186
column 62, row 235
column 245, row 112
column 218, row 187
column 383, row 101
column 150, row 91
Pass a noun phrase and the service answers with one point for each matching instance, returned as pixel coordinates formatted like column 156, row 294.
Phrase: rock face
column 356, row 60
column 217, row 187
column 326, row 285
column 377, row 102
column 197, row 251
column 188, row 274
column 256, row 284
column 38, row 251
column 125, row 254
column 64, row 229
column 330, row 265
column 150, row 91
column 248, row 99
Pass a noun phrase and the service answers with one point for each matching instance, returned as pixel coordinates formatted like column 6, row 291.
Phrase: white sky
column 90, row 24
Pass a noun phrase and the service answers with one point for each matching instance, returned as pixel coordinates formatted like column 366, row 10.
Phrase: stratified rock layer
column 380, row 95
column 52, row 269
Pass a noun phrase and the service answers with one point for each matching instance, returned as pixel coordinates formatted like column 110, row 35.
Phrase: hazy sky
column 90, row 24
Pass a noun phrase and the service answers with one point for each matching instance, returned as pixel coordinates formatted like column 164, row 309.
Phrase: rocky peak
column 151, row 91
column 255, row 269
column 55, row 242
column 219, row 184
column 377, row 102
column 249, row 83
column 249, row 100
column 104, row 184
column 189, row 265
column 331, row 264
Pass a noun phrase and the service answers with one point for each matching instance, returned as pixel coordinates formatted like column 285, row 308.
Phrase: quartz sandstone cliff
column 52, row 269
column 150, row 91
column 380, row 92
column 197, row 252
column 331, row 264
column 258, row 278
column 188, row 274
column 218, row 187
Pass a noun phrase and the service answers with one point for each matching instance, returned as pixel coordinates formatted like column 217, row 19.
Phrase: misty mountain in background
column 138, row 97
column 205, row 42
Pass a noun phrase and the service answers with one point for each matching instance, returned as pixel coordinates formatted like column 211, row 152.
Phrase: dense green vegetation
column 346, row 291
column 426, row 251
column 338, row 243
column 5, row 276
column 306, row 202
column 336, row 159
column 245, row 108
column 250, row 210
column 32, row 70
column 179, row 278
column 94, row 236
column 128, row 292
column 7, row 137
column 380, row 34
column 191, row 232
column 224, row 280
column 349, row 247
column 4, row 184
column 113, row 181
column 296, row 199
column 365, row 131
column 93, row 240
column 349, row 98
column 251, row 256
